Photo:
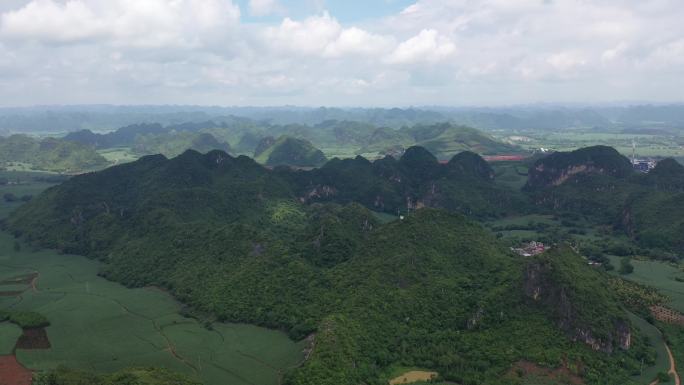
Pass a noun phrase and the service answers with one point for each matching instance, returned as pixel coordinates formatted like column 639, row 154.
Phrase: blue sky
column 340, row 53
column 349, row 11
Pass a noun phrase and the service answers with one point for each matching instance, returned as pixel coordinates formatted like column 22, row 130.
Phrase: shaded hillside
column 126, row 136
column 175, row 143
column 558, row 167
column 599, row 183
column 444, row 140
column 574, row 295
column 434, row 290
column 287, row 151
column 49, row 154
column 417, row 179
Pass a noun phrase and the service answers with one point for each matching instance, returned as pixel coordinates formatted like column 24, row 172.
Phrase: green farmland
column 98, row 325
column 660, row 275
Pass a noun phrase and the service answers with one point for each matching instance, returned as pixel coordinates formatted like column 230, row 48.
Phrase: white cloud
column 51, row 22
column 265, row 7
column 428, row 46
column 566, row 61
column 324, row 36
column 432, row 52
column 149, row 23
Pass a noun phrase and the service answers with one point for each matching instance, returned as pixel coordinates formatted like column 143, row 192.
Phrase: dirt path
column 34, row 281
column 12, row 372
column 673, row 369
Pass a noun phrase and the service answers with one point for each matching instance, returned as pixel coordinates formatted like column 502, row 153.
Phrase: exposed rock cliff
column 571, row 292
column 558, row 167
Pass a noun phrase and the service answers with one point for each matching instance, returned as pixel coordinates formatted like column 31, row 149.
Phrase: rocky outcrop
column 318, row 192
column 541, row 287
column 559, row 167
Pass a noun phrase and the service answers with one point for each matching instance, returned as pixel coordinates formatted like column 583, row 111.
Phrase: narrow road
column 673, row 369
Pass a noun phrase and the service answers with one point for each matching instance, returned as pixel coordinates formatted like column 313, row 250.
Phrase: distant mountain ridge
column 540, row 117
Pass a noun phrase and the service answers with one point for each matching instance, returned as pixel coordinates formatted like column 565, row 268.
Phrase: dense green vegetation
column 335, row 138
column 49, row 154
column 175, row 143
column 25, row 319
column 598, row 182
column 276, row 248
column 287, row 151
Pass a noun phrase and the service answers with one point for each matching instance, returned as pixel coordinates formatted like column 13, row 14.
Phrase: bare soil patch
column 413, row 376
column 33, row 339
column 12, row 372
column 562, row 375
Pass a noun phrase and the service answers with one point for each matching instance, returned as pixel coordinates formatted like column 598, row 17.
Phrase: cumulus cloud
column 324, row 36
column 428, row 46
column 150, row 23
column 432, row 52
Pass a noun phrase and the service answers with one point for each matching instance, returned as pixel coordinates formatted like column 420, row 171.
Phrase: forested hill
column 298, row 144
column 600, row 183
column 49, row 154
column 126, row 136
column 289, row 152
column 558, row 167
column 435, row 290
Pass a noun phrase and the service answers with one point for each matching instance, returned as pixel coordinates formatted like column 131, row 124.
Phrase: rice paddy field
column 102, row 326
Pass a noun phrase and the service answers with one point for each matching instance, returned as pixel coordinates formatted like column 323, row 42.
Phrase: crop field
column 9, row 333
column 660, row 275
column 662, row 363
column 102, row 326
column 118, row 155
column 647, row 145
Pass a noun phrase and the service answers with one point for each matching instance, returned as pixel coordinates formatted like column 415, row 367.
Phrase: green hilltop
column 288, row 151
